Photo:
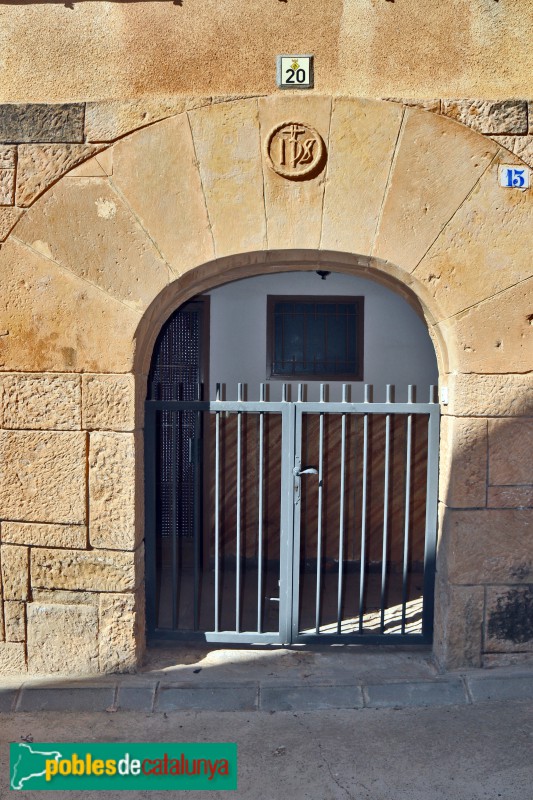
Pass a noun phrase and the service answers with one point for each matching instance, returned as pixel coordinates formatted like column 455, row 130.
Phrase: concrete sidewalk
column 270, row 680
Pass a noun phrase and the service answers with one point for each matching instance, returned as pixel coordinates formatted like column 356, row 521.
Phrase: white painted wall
column 398, row 349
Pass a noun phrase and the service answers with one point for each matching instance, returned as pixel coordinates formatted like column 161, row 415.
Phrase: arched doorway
column 301, row 507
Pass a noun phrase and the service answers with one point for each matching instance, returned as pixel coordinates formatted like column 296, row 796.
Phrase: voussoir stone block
column 491, row 546
column 492, row 336
column 94, row 570
column 62, row 638
column 42, row 476
column 463, row 462
column 484, row 249
column 474, row 395
column 458, row 625
column 86, row 227
column 294, row 208
column 486, row 116
column 363, row 137
column 112, row 497
column 509, row 619
column 228, row 147
column 510, row 452
column 156, row 171
column 12, row 658
column 107, row 120
column 37, row 534
column 59, row 322
column 15, row 620
column 121, row 631
column 108, row 402
column 416, row 208
column 15, row 572
column 43, row 402
column 41, row 122
column 41, row 165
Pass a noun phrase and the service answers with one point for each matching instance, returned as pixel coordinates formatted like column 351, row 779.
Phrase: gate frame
column 290, row 529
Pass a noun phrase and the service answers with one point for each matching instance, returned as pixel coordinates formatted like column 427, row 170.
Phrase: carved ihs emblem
column 295, row 150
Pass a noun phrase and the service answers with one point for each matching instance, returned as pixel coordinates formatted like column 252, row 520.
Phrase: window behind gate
column 313, row 337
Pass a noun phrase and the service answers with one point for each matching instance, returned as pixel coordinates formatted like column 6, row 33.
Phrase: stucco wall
column 397, row 347
column 55, row 51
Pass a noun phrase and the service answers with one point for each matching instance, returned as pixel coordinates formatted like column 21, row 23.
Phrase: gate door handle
column 305, row 471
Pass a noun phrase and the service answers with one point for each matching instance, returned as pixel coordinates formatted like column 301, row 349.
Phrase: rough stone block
column 510, row 451
column 95, row 570
column 510, row 496
column 121, row 631
column 489, row 395
column 485, row 116
column 458, row 625
column 87, row 228
column 463, row 462
column 64, row 598
column 42, row 476
column 15, row 576
column 424, row 105
column 43, row 402
column 521, row 146
column 8, row 219
column 80, row 319
column 488, row 546
column 37, row 534
column 108, row 402
column 12, row 658
column 7, row 187
column 62, row 638
column 15, row 620
column 491, row 660
column 157, row 172
column 114, row 504
column 41, row 165
column 509, row 619
column 40, row 122
column 493, row 336
column 8, row 157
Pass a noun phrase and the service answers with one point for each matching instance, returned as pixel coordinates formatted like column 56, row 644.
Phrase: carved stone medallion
column 295, row 150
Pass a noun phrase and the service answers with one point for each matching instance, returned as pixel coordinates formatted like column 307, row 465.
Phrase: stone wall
column 90, row 269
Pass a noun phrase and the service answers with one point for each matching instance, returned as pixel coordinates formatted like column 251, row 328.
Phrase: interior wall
column 397, row 346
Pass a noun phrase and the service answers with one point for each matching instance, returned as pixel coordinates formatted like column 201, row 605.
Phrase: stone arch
column 405, row 196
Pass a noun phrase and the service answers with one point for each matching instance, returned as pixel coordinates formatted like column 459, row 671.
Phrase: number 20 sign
column 513, row 177
column 294, row 72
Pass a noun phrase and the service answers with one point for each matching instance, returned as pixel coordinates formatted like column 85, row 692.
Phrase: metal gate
column 313, row 521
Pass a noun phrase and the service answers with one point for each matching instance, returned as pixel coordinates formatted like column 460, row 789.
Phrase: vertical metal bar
column 238, row 521
column 260, row 516
column 385, row 514
column 197, row 466
column 217, row 512
column 150, row 433
column 341, row 515
column 173, row 519
column 407, row 519
column 431, row 518
column 362, row 575
column 319, row 516
column 294, row 461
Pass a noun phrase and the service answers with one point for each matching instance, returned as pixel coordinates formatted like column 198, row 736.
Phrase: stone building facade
column 124, row 195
